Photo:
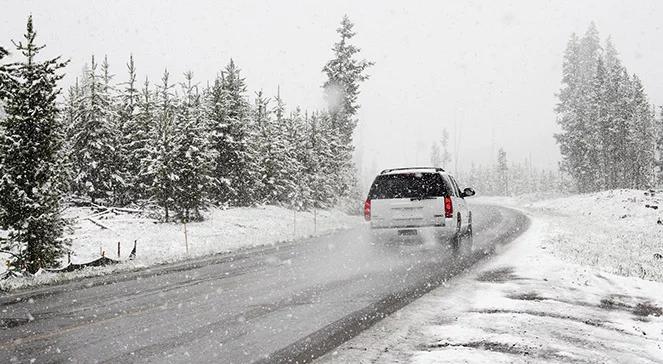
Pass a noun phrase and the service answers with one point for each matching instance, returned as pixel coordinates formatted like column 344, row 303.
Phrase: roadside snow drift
column 617, row 231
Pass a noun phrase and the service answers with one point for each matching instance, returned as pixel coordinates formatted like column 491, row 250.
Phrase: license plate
column 408, row 232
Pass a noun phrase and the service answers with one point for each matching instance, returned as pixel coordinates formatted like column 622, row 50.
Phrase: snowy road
column 292, row 301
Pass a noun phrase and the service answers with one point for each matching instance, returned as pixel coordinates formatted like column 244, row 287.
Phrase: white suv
column 421, row 202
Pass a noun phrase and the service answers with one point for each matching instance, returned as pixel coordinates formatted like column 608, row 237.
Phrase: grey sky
column 487, row 70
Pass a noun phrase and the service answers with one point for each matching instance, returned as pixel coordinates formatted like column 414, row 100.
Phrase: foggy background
column 486, row 71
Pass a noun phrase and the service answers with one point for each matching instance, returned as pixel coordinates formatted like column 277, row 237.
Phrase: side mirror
column 468, row 192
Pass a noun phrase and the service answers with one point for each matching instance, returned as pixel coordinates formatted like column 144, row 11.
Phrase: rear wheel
column 469, row 234
column 457, row 238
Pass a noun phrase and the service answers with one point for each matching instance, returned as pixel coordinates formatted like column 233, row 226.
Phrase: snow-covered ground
column 618, row 231
column 550, row 297
column 221, row 231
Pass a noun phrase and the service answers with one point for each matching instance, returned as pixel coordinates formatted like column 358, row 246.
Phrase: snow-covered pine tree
column 161, row 169
column 316, row 164
column 235, row 164
column 30, row 147
column 578, row 72
column 589, row 55
column 132, row 136
column 216, row 107
column 119, row 178
column 71, row 108
column 608, row 128
column 614, row 127
column 264, row 144
column 435, row 155
column 344, row 75
column 658, row 176
column 285, row 166
column 298, row 194
column 94, row 140
column 503, row 172
column 69, row 119
column 4, row 75
column 625, row 112
column 192, row 157
column 598, row 126
column 141, row 142
column 566, row 109
column 641, row 139
column 338, row 165
column 446, row 156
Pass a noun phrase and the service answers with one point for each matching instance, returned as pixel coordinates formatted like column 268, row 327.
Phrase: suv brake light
column 367, row 210
column 448, row 207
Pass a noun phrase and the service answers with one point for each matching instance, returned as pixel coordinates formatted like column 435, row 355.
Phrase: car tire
column 457, row 238
column 469, row 234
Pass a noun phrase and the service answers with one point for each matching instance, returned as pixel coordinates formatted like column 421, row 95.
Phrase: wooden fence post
column 186, row 239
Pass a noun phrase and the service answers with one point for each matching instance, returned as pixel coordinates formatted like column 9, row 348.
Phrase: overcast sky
column 487, row 71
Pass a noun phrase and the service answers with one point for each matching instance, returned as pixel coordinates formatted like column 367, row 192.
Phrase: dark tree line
column 609, row 129
column 178, row 143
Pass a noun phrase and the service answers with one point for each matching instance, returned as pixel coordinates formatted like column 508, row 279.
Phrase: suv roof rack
column 437, row 169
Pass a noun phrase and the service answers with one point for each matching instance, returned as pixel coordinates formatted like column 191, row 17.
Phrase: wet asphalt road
column 290, row 302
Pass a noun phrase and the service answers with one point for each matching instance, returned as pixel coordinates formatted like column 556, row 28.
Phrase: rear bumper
column 414, row 232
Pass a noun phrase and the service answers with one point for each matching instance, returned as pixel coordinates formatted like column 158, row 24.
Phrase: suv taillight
column 448, row 207
column 367, row 210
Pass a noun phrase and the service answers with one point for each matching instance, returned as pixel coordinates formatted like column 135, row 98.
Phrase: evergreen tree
column 608, row 129
column 658, row 175
column 216, row 106
column 316, row 163
column 297, row 193
column 344, row 75
column 614, row 126
column 641, row 139
column 141, row 145
column 235, row 163
column 94, row 139
column 502, row 168
column 30, row 151
column 598, row 124
column 286, row 165
column 265, row 144
column 72, row 107
column 4, row 75
column 161, row 165
column 134, row 120
column 192, row 158
column 435, row 156
column 69, row 119
column 570, row 137
column 446, row 156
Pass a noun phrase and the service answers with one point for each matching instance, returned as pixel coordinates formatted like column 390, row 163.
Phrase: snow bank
column 222, row 230
column 525, row 306
column 617, row 231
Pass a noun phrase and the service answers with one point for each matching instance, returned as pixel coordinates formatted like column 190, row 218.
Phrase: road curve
column 288, row 303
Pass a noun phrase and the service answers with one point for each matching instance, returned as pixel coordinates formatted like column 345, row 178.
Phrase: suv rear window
column 410, row 185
